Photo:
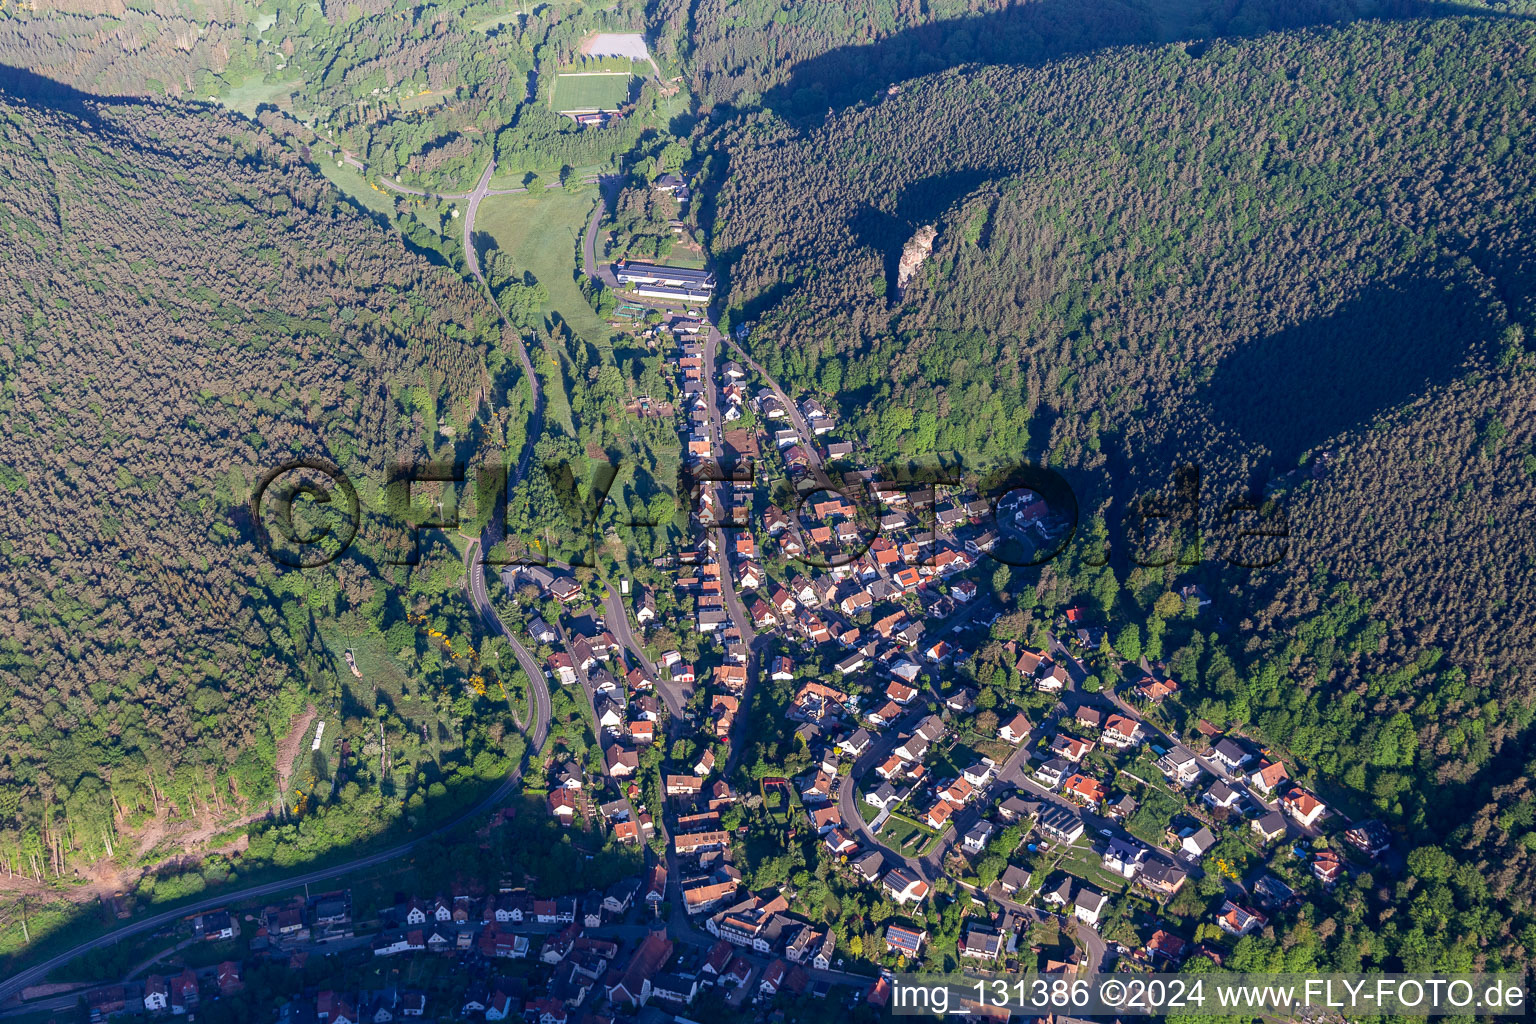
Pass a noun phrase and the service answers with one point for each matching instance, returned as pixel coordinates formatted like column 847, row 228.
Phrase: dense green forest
column 1303, row 264
column 189, row 306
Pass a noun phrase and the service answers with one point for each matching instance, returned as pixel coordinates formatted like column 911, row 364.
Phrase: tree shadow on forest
column 1045, row 30
column 1293, row 390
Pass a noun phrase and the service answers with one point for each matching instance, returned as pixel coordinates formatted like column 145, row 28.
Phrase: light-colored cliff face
column 917, row 250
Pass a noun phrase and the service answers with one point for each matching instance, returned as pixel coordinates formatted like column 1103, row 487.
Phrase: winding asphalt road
column 474, row 568
column 733, row 605
column 595, row 270
column 616, row 619
column 12, row 986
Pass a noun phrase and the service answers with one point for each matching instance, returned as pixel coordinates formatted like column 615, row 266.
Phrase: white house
column 1088, row 906
column 1015, row 730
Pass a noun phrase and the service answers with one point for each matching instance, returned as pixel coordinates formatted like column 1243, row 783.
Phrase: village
column 864, row 602
column 1026, row 818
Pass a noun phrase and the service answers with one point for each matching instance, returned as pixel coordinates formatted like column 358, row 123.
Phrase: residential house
column 1194, row 842
column 1154, row 691
column 1060, row 894
column 1269, row 827
column 1370, row 838
column 981, row 942
column 1015, row 730
column 1327, row 866
column 645, row 606
column 1222, row 796
column 674, row 988
column 1052, row 679
column 1268, row 775
column 621, row 895
column 562, row 805
column 1180, row 766
column 908, row 942
column 656, row 885
column 1051, row 772
column 562, row 667
column 1121, row 732
column 962, row 701
column 1016, row 808
column 939, row 814
column 976, row 839
column 706, row 895
column 1237, row 920
column 1304, row 808
column 826, row 818
column 980, row 773
column 958, row 792
column 1060, row 823
column 870, row 866
column 1029, row 662
column 1166, row 948
column 855, row 743
column 157, row 994
column 622, row 763
column 903, row 887
column 1088, row 791
column 1124, row 858
column 1230, row 754
column 1089, row 905
column 840, row 842
column 1161, row 878
column 1070, row 748
column 886, row 795
column 684, row 785
column 1014, row 879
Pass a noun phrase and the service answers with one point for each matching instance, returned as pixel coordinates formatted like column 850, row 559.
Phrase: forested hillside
column 1310, row 249
column 189, row 304
column 802, row 58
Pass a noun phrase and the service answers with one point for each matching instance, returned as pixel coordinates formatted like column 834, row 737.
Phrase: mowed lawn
column 542, row 234
column 604, row 91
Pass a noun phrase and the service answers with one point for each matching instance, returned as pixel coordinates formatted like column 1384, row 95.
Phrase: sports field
column 603, row 90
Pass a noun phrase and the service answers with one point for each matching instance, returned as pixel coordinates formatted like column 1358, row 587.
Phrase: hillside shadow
column 23, row 87
column 1034, row 33
column 1294, row 390
column 22, row 84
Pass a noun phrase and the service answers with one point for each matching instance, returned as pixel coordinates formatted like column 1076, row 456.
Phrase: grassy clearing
column 553, row 384
column 253, row 91
column 357, row 188
column 591, row 91
column 422, row 100
column 542, row 233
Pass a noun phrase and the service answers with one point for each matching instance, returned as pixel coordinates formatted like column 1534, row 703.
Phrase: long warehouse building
column 679, row 283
